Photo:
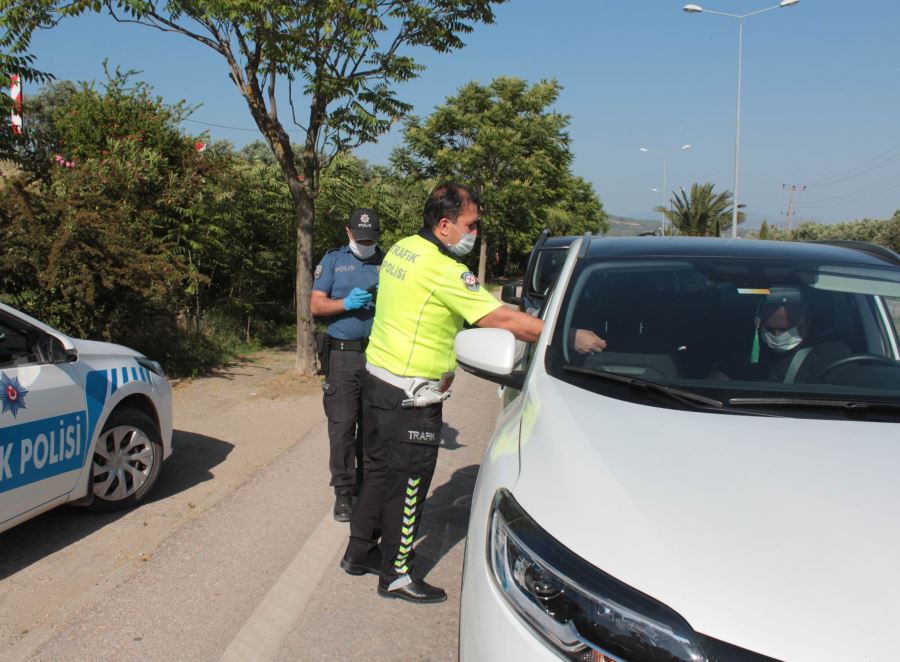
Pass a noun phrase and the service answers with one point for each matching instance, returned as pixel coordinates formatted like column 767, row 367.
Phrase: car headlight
column 582, row 612
column 150, row 365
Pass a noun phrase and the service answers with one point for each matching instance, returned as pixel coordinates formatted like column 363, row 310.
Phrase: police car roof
column 856, row 253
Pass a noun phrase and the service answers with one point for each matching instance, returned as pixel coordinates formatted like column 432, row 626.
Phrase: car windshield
column 731, row 329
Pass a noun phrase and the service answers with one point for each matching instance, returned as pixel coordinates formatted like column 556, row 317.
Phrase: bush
column 884, row 233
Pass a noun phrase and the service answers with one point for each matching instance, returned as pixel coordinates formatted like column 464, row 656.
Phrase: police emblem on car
column 12, row 394
column 470, row 281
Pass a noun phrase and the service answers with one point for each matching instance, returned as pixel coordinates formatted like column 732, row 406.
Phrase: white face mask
column 785, row 341
column 465, row 244
column 362, row 252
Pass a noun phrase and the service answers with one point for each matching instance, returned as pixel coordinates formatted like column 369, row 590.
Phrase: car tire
column 126, row 461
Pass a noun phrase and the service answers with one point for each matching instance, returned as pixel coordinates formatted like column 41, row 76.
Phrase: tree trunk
column 303, row 188
column 304, row 205
column 482, row 259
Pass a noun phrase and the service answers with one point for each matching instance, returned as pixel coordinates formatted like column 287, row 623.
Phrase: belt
column 348, row 345
column 403, row 383
column 420, row 392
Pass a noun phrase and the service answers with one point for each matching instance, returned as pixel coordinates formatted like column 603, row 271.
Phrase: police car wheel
column 126, row 460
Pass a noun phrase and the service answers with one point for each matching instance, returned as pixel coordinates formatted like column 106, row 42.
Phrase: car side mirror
column 59, row 353
column 489, row 354
column 511, row 294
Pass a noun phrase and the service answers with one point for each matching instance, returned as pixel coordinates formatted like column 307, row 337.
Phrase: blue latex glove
column 356, row 299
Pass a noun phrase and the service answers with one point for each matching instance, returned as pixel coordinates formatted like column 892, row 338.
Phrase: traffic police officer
column 424, row 296
column 339, row 292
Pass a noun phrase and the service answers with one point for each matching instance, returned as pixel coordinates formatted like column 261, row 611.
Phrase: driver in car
column 782, row 349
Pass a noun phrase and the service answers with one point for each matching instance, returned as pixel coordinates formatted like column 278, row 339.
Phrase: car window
column 893, row 305
column 549, row 262
column 731, row 327
column 17, row 346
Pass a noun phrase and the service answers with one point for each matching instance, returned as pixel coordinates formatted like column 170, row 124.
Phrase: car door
column 43, row 422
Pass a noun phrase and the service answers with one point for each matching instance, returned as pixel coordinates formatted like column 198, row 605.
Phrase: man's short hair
column 447, row 201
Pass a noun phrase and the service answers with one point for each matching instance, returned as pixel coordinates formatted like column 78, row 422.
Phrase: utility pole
column 789, row 214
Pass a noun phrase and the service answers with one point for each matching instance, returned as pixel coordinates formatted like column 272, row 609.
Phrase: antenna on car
column 585, row 244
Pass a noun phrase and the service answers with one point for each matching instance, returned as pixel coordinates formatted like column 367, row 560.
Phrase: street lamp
column 697, row 9
column 665, row 156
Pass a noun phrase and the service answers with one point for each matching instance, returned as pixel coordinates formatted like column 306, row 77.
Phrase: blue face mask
column 465, row 244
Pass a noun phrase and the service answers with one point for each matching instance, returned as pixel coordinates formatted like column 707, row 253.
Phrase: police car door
column 42, row 419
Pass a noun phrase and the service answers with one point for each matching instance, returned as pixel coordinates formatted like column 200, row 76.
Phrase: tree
column 119, row 241
column 764, row 230
column 703, row 214
column 883, row 232
column 252, row 275
column 504, row 140
column 579, row 211
column 331, row 49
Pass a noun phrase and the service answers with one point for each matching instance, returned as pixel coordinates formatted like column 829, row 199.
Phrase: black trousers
column 343, row 407
column 401, row 453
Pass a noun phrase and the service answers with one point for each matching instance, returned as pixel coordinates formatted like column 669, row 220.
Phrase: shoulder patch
column 317, row 272
column 470, row 281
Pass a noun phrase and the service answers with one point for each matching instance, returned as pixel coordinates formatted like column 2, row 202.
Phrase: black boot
column 370, row 564
column 417, row 591
column 343, row 507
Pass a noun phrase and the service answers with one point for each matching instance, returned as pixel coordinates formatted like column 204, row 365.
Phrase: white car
column 690, row 493
column 81, row 422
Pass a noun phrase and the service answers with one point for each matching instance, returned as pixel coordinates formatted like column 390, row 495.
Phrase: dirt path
column 228, row 426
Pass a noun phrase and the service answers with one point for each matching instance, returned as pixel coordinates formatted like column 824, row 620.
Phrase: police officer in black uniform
column 343, row 289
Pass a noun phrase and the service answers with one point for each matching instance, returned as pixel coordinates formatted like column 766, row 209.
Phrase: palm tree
column 704, row 214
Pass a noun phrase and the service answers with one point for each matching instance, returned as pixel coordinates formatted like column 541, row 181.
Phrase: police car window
column 16, row 347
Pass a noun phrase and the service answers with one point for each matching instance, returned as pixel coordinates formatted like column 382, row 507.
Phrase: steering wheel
column 854, row 358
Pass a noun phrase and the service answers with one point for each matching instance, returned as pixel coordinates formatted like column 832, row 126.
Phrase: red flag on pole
column 15, row 92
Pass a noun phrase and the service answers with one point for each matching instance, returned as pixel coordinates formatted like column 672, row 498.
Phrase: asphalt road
column 237, row 556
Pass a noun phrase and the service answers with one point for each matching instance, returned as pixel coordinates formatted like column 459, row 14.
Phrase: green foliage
column 578, row 212
column 144, row 241
column 83, row 263
column 883, row 232
column 348, row 183
column 764, row 230
column 33, row 149
column 504, row 140
column 703, row 214
column 344, row 57
column 252, row 276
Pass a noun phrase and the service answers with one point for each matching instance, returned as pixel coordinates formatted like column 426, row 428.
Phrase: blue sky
column 821, row 93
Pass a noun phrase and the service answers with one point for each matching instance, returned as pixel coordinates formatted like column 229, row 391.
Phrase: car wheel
column 126, row 460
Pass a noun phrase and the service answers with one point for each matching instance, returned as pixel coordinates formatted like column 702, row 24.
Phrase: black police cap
column 364, row 224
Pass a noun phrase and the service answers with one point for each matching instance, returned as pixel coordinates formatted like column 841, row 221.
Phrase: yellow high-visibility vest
column 424, row 295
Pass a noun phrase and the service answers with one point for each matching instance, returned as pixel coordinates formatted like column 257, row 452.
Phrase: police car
column 719, row 483
column 81, row 422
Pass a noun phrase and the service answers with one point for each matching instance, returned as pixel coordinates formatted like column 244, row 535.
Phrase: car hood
column 96, row 348
column 775, row 534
